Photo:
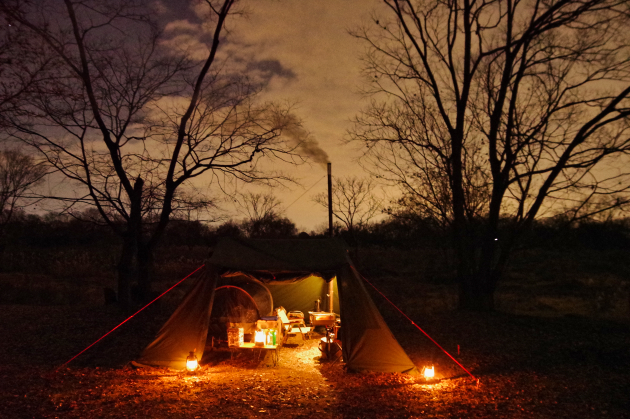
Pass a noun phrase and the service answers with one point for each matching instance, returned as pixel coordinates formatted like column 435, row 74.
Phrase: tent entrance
column 368, row 344
column 302, row 295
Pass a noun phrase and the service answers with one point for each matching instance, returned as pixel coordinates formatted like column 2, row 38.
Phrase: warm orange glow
column 191, row 362
column 259, row 338
column 429, row 372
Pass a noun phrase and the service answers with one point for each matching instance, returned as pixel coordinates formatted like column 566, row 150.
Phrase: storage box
column 322, row 318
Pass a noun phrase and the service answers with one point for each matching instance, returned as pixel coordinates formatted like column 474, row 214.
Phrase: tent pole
column 330, row 296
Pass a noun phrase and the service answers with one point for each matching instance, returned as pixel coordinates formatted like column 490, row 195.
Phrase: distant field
column 539, row 282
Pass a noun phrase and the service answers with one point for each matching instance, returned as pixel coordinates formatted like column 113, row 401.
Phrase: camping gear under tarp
column 367, row 342
column 231, row 304
column 256, row 289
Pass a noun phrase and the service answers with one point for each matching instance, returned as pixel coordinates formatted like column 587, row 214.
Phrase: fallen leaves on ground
column 528, row 368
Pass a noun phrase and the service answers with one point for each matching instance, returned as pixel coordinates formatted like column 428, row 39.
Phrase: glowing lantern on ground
column 429, row 372
column 191, row 362
column 260, row 338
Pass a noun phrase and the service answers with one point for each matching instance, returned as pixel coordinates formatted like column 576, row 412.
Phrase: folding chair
column 290, row 324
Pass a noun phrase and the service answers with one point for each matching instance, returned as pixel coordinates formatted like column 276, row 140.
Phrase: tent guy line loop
column 129, row 318
column 418, row 327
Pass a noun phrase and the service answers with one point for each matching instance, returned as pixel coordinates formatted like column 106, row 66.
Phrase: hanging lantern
column 191, row 362
column 429, row 372
column 259, row 338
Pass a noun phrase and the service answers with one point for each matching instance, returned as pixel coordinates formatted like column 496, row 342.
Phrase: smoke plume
column 306, row 144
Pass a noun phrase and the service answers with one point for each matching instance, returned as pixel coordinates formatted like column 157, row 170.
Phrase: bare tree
column 353, row 201
column 498, row 110
column 257, row 206
column 18, row 174
column 264, row 216
column 22, row 68
column 113, row 120
column 270, row 226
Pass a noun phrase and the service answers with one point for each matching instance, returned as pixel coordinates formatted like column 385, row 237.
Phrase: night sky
column 305, row 52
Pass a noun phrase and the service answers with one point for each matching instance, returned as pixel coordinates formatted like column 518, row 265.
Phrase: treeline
column 59, row 246
column 56, row 231
column 549, row 233
column 71, row 247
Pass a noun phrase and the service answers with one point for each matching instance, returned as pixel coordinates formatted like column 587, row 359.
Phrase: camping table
column 252, row 345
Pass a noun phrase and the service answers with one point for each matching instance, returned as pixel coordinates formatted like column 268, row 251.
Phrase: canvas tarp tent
column 367, row 342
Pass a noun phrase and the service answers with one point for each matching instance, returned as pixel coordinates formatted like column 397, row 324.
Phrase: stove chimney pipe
column 330, row 211
column 330, row 232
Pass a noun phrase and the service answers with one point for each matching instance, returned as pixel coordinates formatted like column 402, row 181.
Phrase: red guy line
column 129, row 318
column 412, row 322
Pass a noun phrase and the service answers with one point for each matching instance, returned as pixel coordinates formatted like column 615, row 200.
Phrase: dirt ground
column 528, row 367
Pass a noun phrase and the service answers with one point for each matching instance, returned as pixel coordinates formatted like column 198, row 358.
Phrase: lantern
column 259, row 338
column 429, row 372
column 191, row 362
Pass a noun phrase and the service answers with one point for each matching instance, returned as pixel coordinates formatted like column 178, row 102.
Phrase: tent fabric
column 280, row 255
column 187, row 328
column 368, row 343
column 301, row 296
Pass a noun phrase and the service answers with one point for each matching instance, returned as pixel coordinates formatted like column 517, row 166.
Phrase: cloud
column 160, row 8
column 269, row 68
column 201, row 10
column 182, row 25
column 190, row 43
column 187, row 36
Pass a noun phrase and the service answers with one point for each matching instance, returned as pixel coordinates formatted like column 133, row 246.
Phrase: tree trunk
column 130, row 246
column 145, row 263
column 478, row 282
column 125, row 271
column 146, row 245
